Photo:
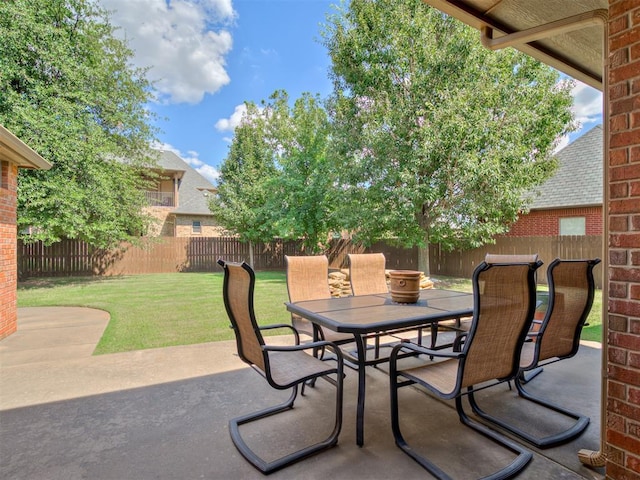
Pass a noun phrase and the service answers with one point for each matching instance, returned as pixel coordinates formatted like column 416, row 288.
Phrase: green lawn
column 149, row 311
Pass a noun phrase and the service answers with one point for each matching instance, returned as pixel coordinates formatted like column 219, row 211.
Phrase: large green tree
column 437, row 139
column 303, row 199
column 276, row 179
column 243, row 185
column 67, row 89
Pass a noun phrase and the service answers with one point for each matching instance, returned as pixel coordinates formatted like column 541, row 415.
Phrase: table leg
column 362, row 360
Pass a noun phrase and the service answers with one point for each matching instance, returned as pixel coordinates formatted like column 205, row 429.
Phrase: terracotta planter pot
column 405, row 285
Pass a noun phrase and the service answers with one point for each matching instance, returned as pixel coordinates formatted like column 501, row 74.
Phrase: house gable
column 574, row 193
column 189, row 206
column 578, row 180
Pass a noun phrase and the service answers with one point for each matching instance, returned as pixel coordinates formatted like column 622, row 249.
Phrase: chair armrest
column 304, row 346
column 421, row 350
column 282, row 325
column 276, row 325
column 457, row 343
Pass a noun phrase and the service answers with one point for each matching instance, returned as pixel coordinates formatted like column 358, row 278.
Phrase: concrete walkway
column 163, row 413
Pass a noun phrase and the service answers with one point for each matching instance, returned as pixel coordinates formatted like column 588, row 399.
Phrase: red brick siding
column 546, row 223
column 623, row 363
column 8, row 265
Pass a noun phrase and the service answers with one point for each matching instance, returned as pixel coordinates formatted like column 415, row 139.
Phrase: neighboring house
column 14, row 154
column 180, row 201
column 570, row 202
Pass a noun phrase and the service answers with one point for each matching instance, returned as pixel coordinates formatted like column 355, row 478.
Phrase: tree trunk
column 251, row 254
column 423, row 253
column 423, row 260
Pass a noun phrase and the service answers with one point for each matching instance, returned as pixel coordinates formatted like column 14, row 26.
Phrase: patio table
column 368, row 314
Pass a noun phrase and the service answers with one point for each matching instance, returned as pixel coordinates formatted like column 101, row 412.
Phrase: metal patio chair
column 283, row 367
column 504, row 302
column 457, row 324
column 308, row 279
column 367, row 277
column 571, row 292
column 367, row 273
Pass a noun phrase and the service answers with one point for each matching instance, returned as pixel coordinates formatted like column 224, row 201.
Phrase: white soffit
column 573, row 47
column 14, row 150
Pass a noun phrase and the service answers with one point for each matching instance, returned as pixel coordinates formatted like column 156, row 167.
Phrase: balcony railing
column 160, row 199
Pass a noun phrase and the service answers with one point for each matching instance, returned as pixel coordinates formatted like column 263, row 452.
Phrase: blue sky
column 209, row 56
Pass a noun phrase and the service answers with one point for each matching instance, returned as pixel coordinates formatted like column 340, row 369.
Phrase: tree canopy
column 277, row 179
column 67, row 90
column 436, row 138
column 243, row 185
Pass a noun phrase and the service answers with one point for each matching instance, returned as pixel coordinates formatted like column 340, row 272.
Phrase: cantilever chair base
column 580, row 424
column 522, row 459
column 270, row 467
column 528, row 375
column 283, row 367
column 487, row 358
column 571, row 291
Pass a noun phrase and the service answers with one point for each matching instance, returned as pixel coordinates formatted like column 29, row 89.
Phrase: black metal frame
column 235, row 423
column 581, row 421
column 523, row 456
column 398, row 380
column 361, row 347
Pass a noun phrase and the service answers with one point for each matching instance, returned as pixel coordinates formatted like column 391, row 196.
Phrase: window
column 196, row 227
column 573, row 226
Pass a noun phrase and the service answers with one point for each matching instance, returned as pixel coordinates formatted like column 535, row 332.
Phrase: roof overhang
column 568, row 36
column 565, row 207
column 14, row 150
column 171, row 173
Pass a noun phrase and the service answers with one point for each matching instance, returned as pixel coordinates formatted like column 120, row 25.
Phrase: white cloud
column 230, row 124
column 208, row 172
column 192, row 158
column 587, row 110
column 587, row 104
column 178, row 40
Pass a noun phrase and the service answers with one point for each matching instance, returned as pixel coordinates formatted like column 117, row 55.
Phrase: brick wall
column 163, row 226
column 546, row 223
column 623, row 363
column 184, row 226
column 169, row 225
column 8, row 266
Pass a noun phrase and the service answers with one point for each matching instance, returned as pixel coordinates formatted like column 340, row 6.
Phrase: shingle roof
column 578, row 180
column 194, row 188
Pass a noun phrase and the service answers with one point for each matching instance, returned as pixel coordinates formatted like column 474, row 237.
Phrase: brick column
column 8, row 247
column 623, row 362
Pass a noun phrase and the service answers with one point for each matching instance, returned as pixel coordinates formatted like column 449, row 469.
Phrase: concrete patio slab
column 163, row 414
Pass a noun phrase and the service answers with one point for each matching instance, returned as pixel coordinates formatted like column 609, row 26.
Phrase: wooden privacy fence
column 181, row 254
column 189, row 254
column 151, row 255
column 462, row 263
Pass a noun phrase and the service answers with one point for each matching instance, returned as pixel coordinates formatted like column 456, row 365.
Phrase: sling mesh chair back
column 367, row 273
column 508, row 258
column 571, row 291
column 457, row 325
column 504, row 301
column 308, row 279
column 284, row 367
